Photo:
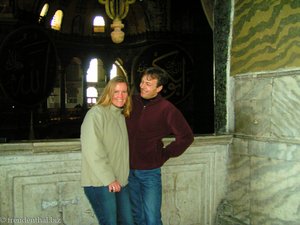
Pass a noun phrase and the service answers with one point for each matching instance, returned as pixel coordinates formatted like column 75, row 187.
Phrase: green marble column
column 221, row 36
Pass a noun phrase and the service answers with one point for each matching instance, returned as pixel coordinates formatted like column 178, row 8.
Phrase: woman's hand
column 114, row 187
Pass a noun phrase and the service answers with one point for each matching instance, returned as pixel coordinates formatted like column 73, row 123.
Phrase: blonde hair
column 106, row 96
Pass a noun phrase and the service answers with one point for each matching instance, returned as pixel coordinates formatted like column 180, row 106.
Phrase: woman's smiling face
column 120, row 95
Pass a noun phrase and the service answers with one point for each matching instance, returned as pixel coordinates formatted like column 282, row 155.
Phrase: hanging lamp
column 117, row 10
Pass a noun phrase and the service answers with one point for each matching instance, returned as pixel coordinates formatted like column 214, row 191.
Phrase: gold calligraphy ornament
column 117, row 10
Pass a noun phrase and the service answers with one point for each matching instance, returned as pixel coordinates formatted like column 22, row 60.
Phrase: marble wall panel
column 268, row 106
column 252, row 87
column 253, row 117
column 44, row 187
column 253, row 104
column 286, row 107
column 264, row 181
column 238, row 179
column 188, row 190
column 275, row 191
column 42, row 183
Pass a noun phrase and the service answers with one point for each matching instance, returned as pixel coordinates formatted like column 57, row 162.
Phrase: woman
column 105, row 155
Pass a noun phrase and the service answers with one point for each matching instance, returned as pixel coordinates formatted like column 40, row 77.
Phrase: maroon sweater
column 148, row 125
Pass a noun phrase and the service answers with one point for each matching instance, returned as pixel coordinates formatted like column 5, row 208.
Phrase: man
column 152, row 119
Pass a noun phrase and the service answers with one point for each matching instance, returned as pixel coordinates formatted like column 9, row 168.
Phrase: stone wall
column 262, row 99
column 40, row 183
column 264, row 161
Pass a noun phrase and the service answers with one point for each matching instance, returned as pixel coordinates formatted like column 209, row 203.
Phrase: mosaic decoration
column 265, row 36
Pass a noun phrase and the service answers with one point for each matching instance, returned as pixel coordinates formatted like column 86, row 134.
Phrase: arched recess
column 208, row 8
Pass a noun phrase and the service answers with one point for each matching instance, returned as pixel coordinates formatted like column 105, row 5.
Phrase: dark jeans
column 146, row 196
column 110, row 208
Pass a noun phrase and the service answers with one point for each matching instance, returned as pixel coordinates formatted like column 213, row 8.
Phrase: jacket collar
column 151, row 101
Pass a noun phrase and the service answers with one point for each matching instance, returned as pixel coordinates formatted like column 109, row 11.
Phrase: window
column 95, row 79
column 56, row 20
column 113, row 71
column 92, row 95
column 44, row 12
column 99, row 24
column 117, row 69
column 92, row 72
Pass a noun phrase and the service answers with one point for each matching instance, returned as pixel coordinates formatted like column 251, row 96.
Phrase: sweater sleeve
column 93, row 150
column 182, row 132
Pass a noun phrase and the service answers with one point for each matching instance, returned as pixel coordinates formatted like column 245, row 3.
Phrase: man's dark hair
column 156, row 73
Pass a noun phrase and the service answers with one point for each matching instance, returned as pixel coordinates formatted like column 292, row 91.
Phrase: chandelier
column 117, row 10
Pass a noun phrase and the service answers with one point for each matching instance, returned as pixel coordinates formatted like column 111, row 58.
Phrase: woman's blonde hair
column 106, row 96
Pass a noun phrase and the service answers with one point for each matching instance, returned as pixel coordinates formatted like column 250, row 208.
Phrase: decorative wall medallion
column 28, row 65
column 176, row 62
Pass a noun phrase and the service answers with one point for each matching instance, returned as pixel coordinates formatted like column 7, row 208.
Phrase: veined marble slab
column 41, row 181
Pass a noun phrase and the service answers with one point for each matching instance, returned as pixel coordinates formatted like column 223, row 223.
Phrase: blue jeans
column 110, row 208
column 146, row 196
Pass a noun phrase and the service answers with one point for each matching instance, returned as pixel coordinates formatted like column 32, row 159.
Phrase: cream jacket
column 104, row 145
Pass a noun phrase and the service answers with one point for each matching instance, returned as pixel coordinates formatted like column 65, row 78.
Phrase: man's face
column 148, row 87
